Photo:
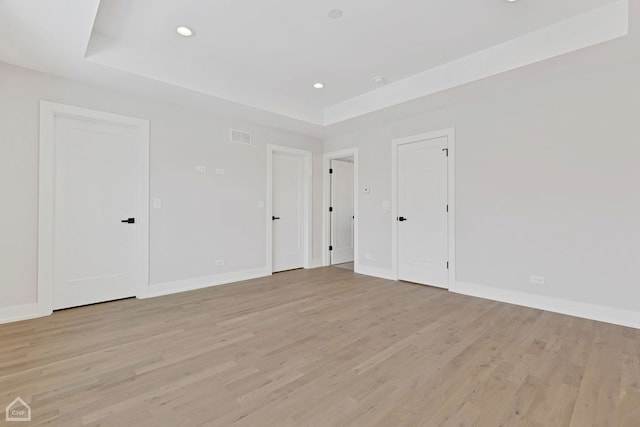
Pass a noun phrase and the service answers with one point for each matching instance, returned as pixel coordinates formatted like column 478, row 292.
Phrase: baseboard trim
column 167, row 288
column 375, row 272
column 596, row 312
column 600, row 313
column 315, row 263
column 19, row 312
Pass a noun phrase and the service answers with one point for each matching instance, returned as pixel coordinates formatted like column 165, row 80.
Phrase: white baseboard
column 316, row 263
column 600, row 313
column 167, row 288
column 382, row 273
column 19, row 312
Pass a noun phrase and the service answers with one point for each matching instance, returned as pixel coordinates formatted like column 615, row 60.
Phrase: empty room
column 337, row 213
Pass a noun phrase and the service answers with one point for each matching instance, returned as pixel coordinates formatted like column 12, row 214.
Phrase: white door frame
column 326, row 202
column 307, row 156
column 451, row 196
column 46, row 195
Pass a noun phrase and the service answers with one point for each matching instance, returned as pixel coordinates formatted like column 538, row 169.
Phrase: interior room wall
column 204, row 217
column 546, row 182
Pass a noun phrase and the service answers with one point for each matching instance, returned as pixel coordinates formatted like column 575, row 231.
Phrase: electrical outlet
column 219, row 171
column 219, row 262
column 538, row 280
column 201, row 169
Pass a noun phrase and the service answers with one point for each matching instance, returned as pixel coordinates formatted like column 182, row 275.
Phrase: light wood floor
column 325, row 347
column 346, row 265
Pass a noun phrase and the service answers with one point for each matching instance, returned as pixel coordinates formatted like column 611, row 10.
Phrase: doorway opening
column 341, row 206
column 341, row 214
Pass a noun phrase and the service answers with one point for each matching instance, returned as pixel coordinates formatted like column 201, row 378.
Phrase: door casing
column 450, row 135
column 336, row 213
column 326, row 202
column 49, row 111
column 307, row 208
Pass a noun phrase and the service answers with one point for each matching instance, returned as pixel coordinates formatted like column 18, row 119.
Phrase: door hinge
column 447, row 208
column 330, row 248
column 447, row 265
column 330, row 209
column 330, row 170
column 446, row 151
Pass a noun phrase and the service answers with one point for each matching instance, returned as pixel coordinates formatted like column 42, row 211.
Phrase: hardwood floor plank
column 323, row 347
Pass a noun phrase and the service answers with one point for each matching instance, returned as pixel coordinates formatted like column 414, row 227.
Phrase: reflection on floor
column 346, row 265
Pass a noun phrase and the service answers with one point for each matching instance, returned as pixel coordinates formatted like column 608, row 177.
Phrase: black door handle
column 401, row 218
column 273, row 218
column 129, row 220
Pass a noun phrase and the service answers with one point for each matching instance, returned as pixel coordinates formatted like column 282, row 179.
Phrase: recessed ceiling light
column 335, row 13
column 185, row 31
column 318, row 85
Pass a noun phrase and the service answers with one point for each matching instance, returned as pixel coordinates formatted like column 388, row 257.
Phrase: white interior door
column 287, row 211
column 97, row 168
column 422, row 212
column 341, row 212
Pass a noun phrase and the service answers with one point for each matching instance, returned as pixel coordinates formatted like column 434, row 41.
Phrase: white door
column 422, row 212
column 341, row 211
column 96, row 181
column 287, row 212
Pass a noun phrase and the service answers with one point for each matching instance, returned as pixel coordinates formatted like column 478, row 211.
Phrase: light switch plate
column 157, row 204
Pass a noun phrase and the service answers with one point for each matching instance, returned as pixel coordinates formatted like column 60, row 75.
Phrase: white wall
column 204, row 217
column 548, row 182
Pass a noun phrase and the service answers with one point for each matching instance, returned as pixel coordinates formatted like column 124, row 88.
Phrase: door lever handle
column 273, row 218
column 129, row 221
column 401, row 218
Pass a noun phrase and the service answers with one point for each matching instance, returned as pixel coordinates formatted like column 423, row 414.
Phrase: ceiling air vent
column 240, row 137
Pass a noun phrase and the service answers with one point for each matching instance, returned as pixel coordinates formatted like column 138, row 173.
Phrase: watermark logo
column 18, row 410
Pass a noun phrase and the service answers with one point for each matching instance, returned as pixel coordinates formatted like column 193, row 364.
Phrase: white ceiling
column 261, row 58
